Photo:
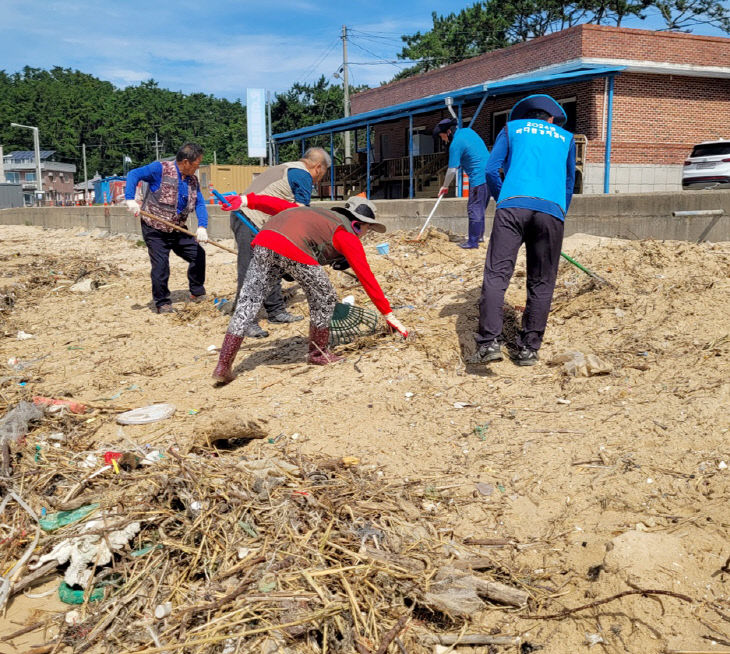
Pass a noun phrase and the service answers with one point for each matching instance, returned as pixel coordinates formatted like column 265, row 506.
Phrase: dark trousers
column 274, row 302
column 476, row 207
column 186, row 247
column 542, row 235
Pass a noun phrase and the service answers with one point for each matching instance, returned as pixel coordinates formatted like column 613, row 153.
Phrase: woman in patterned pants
column 298, row 242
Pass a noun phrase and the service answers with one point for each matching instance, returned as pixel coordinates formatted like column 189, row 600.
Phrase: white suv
column 708, row 166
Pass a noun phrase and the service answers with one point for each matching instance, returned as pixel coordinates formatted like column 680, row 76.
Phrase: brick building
column 640, row 99
column 57, row 177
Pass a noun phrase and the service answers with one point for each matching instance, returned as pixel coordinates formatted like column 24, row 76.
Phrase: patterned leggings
column 265, row 270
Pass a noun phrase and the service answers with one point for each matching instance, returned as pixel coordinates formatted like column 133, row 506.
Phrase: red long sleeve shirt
column 345, row 243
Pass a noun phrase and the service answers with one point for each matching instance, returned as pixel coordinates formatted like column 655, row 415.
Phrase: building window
column 570, row 106
column 13, row 178
column 30, row 177
column 499, row 120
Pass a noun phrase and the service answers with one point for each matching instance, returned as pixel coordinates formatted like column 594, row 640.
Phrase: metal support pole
column 346, row 88
column 479, row 108
column 607, row 154
column 332, row 167
column 367, row 174
column 276, row 153
column 304, row 146
column 410, row 156
column 86, row 177
column 459, row 179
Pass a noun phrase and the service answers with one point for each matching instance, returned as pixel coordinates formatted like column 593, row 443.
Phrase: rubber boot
column 223, row 373
column 319, row 354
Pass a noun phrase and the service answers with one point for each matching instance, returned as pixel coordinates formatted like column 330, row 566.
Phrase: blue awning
column 531, row 82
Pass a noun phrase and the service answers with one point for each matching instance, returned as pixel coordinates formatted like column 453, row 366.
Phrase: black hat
column 538, row 102
column 444, row 126
column 361, row 209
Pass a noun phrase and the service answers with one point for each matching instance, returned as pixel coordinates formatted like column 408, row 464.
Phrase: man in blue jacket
column 466, row 149
column 538, row 159
column 172, row 193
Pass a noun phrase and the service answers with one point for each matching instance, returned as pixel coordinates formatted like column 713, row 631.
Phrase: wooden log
column 501, row 593
column 472, row 639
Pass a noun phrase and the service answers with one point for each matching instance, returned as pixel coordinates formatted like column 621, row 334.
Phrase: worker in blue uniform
column 467, row 150
column 538, row 159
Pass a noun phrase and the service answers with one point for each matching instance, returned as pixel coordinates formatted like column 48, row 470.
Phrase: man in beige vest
column 293, row 182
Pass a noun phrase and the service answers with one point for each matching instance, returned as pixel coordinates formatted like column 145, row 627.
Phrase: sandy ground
column 604, row 484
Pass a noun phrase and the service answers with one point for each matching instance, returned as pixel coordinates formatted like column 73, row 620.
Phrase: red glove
column 396, row 324
column 235, row 202
column 443, row 191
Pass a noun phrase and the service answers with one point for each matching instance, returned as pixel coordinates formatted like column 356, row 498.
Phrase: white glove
column 201, row 236
column 133, row 207
column 396, row 324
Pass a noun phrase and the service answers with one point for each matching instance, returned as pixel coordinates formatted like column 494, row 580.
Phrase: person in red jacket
column 299, row 241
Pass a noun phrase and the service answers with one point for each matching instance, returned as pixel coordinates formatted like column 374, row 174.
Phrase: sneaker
column 525, row 356
column 285, row 317
column 165, row 308
column 468, row 246
column 198, row 298
column 254, row 331
column 488, row 352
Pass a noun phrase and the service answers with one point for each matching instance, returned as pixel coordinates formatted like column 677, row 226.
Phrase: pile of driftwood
column 212, row 550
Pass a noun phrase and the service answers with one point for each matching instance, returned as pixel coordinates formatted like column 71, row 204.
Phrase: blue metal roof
column 504, row 87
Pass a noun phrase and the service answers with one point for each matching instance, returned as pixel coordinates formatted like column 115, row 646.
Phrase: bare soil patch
column 578, row 488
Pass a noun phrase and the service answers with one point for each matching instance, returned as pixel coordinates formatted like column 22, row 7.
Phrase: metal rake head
column 350, row 322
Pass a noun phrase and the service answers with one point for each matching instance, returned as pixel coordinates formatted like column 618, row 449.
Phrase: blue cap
column 540, row 102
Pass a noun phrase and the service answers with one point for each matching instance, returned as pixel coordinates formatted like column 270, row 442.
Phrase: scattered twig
column 625, row 593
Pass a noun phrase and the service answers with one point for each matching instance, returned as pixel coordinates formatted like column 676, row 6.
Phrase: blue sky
column 220, row 46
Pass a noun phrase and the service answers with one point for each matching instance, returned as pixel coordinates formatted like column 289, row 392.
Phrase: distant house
column 57, row 177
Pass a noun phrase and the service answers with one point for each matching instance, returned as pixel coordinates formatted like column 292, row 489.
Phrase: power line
column 312, row 68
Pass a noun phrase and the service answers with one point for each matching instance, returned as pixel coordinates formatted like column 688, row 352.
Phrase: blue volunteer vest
column 538, row 153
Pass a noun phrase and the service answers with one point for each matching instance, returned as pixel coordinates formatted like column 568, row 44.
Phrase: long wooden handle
column 183, row 230
column 428, row 220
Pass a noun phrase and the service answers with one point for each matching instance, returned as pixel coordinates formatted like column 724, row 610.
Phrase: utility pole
column 36, row 145
column 346, row 85
column 2, row 167
column 215, row 158
column 86, row 178
column 157, row 148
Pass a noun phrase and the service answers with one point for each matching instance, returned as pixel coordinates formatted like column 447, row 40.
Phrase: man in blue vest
column 538, row 159
column 466, row 149
column 172, row 193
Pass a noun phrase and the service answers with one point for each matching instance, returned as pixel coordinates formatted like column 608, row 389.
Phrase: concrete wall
column 633, row 178
column 631, row 216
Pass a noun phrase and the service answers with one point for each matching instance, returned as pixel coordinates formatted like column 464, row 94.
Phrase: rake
column 349, row 323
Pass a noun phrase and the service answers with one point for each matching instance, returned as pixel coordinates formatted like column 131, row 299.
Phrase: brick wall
column 658, row 118
column 645, row 45
column 579, row 41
